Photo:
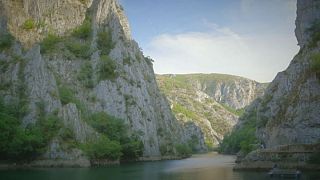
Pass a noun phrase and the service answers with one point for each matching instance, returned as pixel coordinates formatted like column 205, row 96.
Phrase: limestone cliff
column 48, row 56
column 211, row 101
column 289, row 113
column 286, row 119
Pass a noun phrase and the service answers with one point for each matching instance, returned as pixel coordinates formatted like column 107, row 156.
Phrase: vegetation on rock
column 242, row 139
column 105, row 43
column 6, row 41
column 49, row 44
column 107, row 68
column 29, row 24
column 113, row 133
column 18, row 143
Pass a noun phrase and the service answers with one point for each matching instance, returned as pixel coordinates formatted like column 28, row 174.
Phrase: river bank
column 82, row 162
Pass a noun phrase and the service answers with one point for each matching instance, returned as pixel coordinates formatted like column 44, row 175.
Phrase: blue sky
column 250, row 38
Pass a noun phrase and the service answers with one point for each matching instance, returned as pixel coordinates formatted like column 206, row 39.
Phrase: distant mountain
column 211, row 101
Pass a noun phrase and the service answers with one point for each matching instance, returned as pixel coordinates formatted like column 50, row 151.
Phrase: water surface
column 209, row 166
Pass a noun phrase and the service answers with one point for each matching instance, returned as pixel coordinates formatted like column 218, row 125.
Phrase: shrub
column 79, row 49
column 111, row 126
column 315, row 63
column 49, row 44
column 66, row 95
column 83, row 31
column 242, row 139
column 115, row 130
column 104, row 42
column 18, row 143
column 85, row 75
column 29, row 24
column 132, row 148
column 183, row 150
column 6, row 41
column 107, row 68
column 103, row 148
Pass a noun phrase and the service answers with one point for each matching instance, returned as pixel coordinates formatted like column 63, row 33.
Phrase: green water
column 199, row 167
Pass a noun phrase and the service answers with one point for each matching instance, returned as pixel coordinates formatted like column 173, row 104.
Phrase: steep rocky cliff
column 289, row 113
column 74, row 58
column 211, row 101
column 287, row 117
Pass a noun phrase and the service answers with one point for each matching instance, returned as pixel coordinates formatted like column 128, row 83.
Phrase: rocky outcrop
column 289, row 113
column 209, row 100
column 307, row 14
column 38, row 77
column 233, row 91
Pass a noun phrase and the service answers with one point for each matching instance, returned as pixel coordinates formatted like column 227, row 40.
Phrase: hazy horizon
column 224, row 37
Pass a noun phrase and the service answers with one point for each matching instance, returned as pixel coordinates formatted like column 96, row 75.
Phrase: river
column 211, row 166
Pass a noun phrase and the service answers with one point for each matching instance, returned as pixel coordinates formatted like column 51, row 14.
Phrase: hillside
column 209, row 100
column 287, row 117
column 76, row 89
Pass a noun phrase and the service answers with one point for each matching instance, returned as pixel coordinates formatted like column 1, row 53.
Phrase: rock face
column 210, row 101
column 307, row 14
column 289, row 112
column 233, row 91
column 131, row 95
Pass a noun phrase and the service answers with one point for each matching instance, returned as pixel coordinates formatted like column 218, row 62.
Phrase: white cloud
column 222, row 51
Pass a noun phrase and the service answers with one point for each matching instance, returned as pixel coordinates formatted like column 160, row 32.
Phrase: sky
column 249, row 38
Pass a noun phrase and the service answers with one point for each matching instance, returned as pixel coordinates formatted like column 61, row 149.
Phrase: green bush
column 29, row 24
column 104, row 42
column 103, row 148
column 83, row 31
column 183, row 150
column 132, row 148
column 111, row 126
column 66, row 95
column 115, row 130
column 79, row 49
column 242, row 139
column 85, row 75
column 107, row 68
column 315, row 63
column 19, row 143
column 6, row 41
column 49, row 44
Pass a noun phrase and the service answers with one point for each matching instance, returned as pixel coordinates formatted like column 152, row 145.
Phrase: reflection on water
column 203, row 167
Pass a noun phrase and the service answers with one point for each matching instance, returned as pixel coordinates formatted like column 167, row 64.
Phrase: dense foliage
column 113, row 133
column 49, row 44
column 84, row 31
column 107, row 68
column 19, row 143
column 105, row 43
column 103, row 148
column 85, row 75
column 183, row 150
column 242, row 139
